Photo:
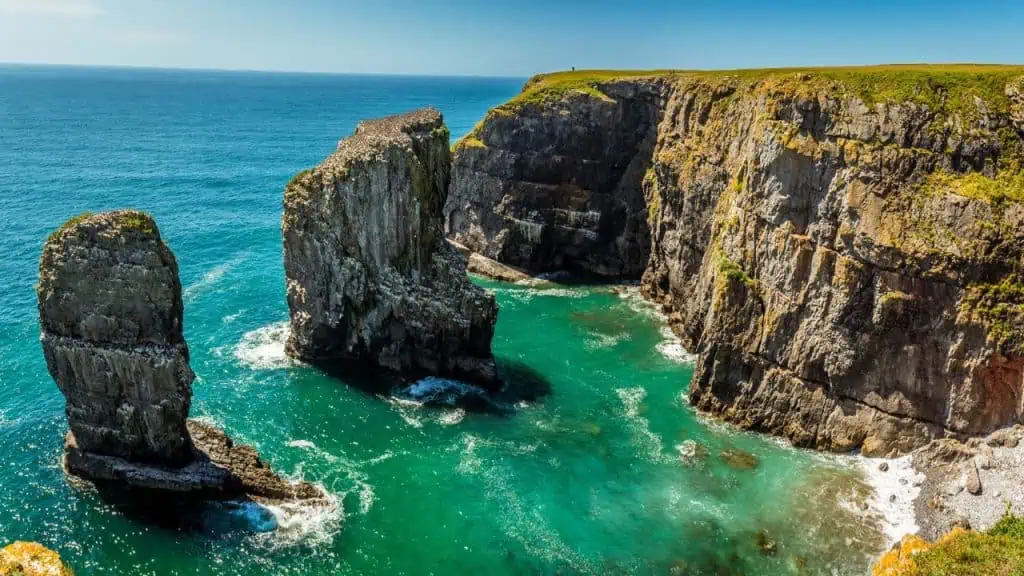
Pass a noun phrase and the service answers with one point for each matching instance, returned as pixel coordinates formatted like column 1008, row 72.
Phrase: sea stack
column 110, row 310
column 371, row 280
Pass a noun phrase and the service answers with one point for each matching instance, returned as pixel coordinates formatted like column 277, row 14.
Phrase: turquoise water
column 611, row 473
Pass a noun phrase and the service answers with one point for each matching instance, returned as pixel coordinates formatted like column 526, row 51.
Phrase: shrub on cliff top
column 998, row 552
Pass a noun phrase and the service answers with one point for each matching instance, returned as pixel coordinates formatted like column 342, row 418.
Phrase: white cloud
column 72, row 8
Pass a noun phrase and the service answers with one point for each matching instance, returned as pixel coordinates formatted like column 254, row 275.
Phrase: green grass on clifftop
column 1000, row 552
column 943, row 87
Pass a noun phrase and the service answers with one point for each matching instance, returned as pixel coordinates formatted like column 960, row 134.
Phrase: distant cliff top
column 943, row 87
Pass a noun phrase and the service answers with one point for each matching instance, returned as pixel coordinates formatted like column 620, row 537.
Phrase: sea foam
column 894, row 493
column 263, row 349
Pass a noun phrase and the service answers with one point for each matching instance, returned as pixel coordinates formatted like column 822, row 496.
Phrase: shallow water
column 610, row 473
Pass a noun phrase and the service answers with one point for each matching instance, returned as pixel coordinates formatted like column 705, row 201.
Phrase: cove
column 610, row 473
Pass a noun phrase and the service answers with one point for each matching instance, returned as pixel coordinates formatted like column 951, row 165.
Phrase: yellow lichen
column 31, row 559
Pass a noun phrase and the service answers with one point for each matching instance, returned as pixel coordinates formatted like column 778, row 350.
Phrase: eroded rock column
column 371, row 280
column 110, row 310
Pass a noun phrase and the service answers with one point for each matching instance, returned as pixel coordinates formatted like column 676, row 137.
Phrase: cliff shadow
column 190, row 514
column 520, row 383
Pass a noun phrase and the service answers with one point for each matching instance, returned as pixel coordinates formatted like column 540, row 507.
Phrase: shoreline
column 924, row 493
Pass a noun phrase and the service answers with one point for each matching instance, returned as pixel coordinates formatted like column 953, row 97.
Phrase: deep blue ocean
column 611, row 474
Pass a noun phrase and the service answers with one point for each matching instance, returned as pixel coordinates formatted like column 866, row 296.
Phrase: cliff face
column 371, row 279
column 840, row 248
column 558, row 184
column 110, row 310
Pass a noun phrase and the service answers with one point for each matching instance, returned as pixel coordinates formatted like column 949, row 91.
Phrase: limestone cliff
column 371, row 279
column 110, row 310
column 841, row 248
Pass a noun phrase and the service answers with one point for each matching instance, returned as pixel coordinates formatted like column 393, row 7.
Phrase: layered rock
column 842, row 249
column 371, row 280
column 556, row 184
column 110, row 310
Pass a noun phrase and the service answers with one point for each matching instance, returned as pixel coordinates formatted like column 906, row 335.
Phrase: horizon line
column 11, row 64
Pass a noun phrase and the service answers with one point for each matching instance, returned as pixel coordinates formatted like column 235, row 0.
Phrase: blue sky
column 510, row 38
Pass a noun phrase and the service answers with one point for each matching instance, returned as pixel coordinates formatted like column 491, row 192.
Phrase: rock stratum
column 841, row 248
column 371, row 280
column 110, row 311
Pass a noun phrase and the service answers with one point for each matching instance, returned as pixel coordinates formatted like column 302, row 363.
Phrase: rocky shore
column 971, row 484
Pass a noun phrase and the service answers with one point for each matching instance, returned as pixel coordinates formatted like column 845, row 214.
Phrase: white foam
column 307, row 523
column 671, row 347
column 263, row 348
column 893, row 495
column 519, row 519
column 212, row 277
column 304, row 444
column 433, row 390
column 596, row 340
column 647, row 440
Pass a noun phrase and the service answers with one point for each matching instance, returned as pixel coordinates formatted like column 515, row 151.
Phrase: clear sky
column 506, row 38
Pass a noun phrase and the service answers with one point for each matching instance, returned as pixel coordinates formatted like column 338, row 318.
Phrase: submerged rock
column 738, row 459
column 110, row 310
column 31, row 559
column 371, row 280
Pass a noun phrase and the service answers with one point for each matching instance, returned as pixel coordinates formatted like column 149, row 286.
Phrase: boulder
column 31, row 559
column 111, row 315
column 371, row 280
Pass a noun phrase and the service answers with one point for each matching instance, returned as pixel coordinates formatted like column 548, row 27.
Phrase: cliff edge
column 371, row 280
column 841, row 248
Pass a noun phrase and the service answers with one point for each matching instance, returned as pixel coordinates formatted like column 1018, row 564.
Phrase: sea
column 606, row 470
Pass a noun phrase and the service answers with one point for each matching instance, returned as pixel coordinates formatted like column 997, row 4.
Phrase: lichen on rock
column 31, row 559
column 111, row 315
column 371, row 280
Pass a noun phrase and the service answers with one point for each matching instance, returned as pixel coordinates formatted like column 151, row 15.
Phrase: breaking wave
column 263, row 348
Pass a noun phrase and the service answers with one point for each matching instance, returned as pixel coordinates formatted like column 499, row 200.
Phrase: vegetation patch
column 137, row 221
column 1005, row 187
column 732, row 272
column 998, row 552
column 71, row 223
column 1000, row 309
column 947, row 90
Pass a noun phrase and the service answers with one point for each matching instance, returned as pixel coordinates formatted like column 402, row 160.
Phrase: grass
column 71, row 223
column 998, row 552
column 1000, row 309
column 731, row 271
column 947, row 89
column 1005, row 187
column 134, row 220
column 138, row 221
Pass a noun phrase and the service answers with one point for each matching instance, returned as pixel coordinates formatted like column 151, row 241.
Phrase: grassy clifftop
column 949, row 86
